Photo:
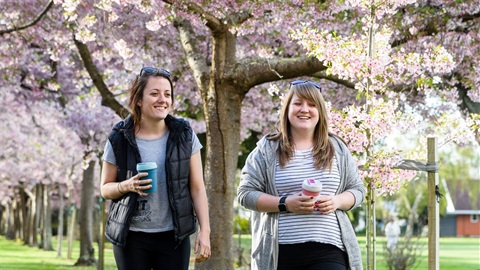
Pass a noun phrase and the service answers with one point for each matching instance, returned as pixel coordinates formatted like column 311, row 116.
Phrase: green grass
column 455, row 253
column 16, row 255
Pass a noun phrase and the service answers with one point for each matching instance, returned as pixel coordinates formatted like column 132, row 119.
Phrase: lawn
column 16, row 255
column 455, row 253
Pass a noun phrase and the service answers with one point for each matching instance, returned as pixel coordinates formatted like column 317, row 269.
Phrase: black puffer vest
column 177, row 164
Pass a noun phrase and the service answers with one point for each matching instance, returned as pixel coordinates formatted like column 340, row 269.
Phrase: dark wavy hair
column 137, row 88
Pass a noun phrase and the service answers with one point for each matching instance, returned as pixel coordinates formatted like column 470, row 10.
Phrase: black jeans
column 158, row 251
column 311, row 256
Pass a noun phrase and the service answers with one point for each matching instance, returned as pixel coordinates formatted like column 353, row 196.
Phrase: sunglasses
column 152, row 70
column 316, row 85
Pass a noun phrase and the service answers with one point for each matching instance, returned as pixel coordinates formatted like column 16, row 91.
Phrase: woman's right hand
column 134, row 184
column 299, row 203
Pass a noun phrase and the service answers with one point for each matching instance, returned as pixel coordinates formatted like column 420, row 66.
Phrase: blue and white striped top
column 296, row 228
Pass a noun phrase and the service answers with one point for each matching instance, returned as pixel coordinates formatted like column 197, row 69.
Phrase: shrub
column 406, row 254
column 240, row 225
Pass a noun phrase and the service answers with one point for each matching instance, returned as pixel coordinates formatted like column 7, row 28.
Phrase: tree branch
column 35, row 21
column 240, row 17
column 467, row 102
column 195, row 57
column 470, row 17
column 213, row 23
column 431, row 27
column 255, row 71
column 322, row 75
column 108, row 99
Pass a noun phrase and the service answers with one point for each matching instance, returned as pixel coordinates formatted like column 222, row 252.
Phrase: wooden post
column 71, row 231
column 371, row 230
column 433, row 209
column 368, row 233
column 101, row 240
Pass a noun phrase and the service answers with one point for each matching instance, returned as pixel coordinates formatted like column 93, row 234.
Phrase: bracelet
column 118, row 187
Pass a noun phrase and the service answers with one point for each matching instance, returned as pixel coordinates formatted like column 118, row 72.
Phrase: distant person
column 151, row 230
column 392, row 232
column 289, row 230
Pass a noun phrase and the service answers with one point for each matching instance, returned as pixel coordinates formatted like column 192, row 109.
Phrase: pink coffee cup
column 311, row 188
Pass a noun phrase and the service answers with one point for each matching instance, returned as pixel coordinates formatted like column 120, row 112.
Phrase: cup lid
column 144, row 166
column 312, row 184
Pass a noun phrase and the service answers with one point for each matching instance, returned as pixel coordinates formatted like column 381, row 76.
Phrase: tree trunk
column 60, row 221
column 72, row 217
column 32, row 219
column 101, row 235
column 102, row 219
column 23, row 215
column 3, row 220
column 222, row 106
column 412, row 218
column 38, row 220
column 87, row 254
column 9, row 230
column 17, row 222
column 47, row 221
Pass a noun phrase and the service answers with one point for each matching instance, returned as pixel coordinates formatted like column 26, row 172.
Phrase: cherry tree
column 370, row 60
column 89, row 121
column 224, row 54
column 45, row 89
column 221, row 98
column 31, row 151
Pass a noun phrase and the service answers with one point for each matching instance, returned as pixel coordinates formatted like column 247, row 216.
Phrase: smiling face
column 303, row 115
column 156, row 100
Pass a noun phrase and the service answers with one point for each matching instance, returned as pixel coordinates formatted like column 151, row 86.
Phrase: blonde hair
column 323, row 150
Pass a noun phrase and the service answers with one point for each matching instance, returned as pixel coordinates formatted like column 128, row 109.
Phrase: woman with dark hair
column 151, row 230
column 291, row 230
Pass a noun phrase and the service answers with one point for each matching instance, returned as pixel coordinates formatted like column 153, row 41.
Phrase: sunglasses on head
column 316, row 85
column 152, row 70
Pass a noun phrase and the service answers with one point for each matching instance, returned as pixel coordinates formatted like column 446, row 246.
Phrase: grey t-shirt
column 153, row 212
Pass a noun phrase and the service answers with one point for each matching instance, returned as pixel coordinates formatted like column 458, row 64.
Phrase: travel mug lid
column 145, row 166
column 312, row 185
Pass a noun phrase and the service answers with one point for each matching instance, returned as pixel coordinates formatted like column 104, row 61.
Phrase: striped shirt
column 312, row 227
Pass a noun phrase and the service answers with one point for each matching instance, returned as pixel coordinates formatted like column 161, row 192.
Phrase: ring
column 301, row 204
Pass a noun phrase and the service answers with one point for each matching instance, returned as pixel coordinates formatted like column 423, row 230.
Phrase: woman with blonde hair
column 291, row 230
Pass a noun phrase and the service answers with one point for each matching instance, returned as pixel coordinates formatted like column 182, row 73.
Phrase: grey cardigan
column 258, row 177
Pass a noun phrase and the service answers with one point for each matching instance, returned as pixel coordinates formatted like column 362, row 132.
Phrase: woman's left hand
column 326, row 204
column 202, row 247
